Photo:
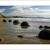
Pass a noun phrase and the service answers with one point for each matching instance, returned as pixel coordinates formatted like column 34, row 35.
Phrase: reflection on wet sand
column 25, row 40
column 14, row 34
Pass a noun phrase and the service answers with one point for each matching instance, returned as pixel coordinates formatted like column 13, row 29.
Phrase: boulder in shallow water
column 15, row 22
column 40, row 27
column 10, row 20
column 44, row 34
column 46, row 27
column 24, row 24
column 4, row 20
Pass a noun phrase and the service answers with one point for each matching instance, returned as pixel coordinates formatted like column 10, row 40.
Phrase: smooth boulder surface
column 44, row 34
column 24, row 24
column 40, row 27
column 10, row 21
column 15, row 22
column 4, row 20
column 46, row 27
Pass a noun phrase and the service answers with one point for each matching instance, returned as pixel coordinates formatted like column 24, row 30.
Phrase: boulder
column 0, row 39
column 20, row 36
column 9, row 20
column 15, row 22
column 46, row 27
column 4, row 20
column 24, row 24
column 40, row 27
column 44, row 34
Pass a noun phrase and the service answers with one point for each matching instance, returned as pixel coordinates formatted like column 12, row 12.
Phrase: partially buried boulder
column 10, row 21
column 24, row 24
column 20, row 36
column 44, row 34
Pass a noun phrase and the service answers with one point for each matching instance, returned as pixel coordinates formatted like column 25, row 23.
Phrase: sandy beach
column 9, row 32
column 16, row 40
column 24, row 24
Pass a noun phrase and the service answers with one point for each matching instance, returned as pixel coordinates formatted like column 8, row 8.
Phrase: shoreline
column 16, row 40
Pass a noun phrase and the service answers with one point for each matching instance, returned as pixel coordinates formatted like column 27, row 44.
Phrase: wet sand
column 8, row 34
column 27, row 40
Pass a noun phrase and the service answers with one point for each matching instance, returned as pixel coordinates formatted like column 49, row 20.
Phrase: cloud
column 18, row 7
column 2, row 10
column 29, row 11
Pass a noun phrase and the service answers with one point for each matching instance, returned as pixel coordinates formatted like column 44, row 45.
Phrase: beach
column 9, row 31
column 16, row 40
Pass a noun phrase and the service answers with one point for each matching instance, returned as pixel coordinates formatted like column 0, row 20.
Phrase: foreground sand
column 16, row 40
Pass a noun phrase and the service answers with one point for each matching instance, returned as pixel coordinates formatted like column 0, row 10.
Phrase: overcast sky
column 26, row 11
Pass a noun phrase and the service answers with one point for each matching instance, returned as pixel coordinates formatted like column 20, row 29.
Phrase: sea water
column 8, row 28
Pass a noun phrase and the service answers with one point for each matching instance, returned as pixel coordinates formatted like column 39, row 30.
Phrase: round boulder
column 4, row 20
column 44, row 34
column 40, row 27
column 9, row 20
column 24, row 24
column 45, row 27
column 15, row 22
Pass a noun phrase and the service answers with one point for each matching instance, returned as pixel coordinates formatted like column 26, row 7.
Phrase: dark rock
column 20, row 36
column 40, row 27
column 24, row 24
column 4, row 20
column 10, row 21
column 44, row 34
column 0, row 39
column 49, row 27
column 15, row 22
column 45, row 27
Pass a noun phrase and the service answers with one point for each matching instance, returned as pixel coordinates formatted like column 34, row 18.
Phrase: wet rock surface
column 24, row 24
column 46, row 27
column 4, row 20
column 44, row 34
column 40, row 27
column 20, row 36
column 10, row 20
column 15, row 22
